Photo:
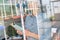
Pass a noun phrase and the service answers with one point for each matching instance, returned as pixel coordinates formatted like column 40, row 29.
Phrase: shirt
column 33, row 23
column 44, row 26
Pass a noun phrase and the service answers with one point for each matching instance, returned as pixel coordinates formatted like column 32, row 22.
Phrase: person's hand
column 57, row 37
column 27, row 33
column 19, row 32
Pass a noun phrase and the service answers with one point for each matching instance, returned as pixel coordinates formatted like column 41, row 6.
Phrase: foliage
column 11, row 31
column 52, row 18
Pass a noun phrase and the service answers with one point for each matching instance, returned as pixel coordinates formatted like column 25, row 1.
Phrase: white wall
column 57, row 7
column 47, row 4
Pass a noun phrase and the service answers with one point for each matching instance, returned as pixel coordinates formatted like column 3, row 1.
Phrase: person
column 31, row 27
column 56, row 36
column 33, row 23
column 31, row 30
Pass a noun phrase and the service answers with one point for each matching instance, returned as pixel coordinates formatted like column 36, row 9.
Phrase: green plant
column 52, row 18
column 11, row 31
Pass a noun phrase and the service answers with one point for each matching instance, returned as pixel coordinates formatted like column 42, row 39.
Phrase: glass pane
column 8, row 9
column 1, row 1
column 13, row 1
column 0, row 10
column 1, row 25
column 14, row 10
column 6, row 1
column 32, row 7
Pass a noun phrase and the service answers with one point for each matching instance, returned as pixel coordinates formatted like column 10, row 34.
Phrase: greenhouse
column 37, row 17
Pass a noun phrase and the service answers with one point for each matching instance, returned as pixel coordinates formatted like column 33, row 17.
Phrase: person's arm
column 27, row 26
column 56, row 36
column 34, row 35
column 29, row 34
